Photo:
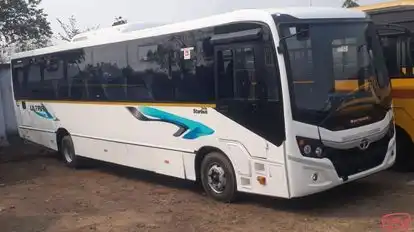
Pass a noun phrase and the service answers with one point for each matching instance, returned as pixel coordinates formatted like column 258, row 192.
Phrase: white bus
column 244, row 101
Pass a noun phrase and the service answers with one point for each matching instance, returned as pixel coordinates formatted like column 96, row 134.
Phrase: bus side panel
column 157, row 160
column 98, row 149
column 189, row 168
column 116, row 122
column 152, row 138
column 44, row 120
column 28, row 130
column 404, row 115
column 18, row 112
column 403, row 101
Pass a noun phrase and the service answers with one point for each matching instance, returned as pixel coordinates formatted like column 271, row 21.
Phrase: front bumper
column 309, row 176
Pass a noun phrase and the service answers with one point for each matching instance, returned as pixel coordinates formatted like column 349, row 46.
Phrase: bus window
column 404, row 56
column 53, row 72
column 345, row 57
column 237, row 73
column 412, row 55
column 245, row 73
column 346, row 60
column 398, row 58
column 35, row 80
column 225, row 74
column 390, row 51
column 107, row 81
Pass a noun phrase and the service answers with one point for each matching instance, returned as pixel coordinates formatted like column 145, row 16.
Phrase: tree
column 24, row 24
column 119, row 21
column 71, row 29
column 350, row 3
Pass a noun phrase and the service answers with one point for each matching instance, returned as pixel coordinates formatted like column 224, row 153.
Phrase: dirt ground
column 38, row 193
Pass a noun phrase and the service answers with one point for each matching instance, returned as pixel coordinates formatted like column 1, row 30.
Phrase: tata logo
column 364, row 144
column 359, row 120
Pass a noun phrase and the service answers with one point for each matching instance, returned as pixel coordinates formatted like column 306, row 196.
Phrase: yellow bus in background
column 395, row 21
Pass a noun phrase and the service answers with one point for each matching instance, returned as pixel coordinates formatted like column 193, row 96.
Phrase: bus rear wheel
column 218, row 178
column 67, row 150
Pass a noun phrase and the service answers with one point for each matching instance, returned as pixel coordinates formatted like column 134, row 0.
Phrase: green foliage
column 119, row 21
column 71, row 29
column 350, row 3
column 24, row 24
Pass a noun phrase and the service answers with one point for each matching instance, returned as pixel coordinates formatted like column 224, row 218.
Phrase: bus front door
column 237, row 91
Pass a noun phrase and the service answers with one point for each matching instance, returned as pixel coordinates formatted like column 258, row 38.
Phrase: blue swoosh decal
column 44, row 113
column 195, row 129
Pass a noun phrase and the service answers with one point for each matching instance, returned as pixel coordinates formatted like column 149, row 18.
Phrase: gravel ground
column 38, row 193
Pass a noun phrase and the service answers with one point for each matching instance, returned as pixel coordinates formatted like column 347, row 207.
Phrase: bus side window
column 411, row 53
column 141, row 57
column 404, row 60
column 18, row 74
column 34, row 80
column 171, row 68
column 390, row 53
column 245, row 74
column 248, row 88
column 106, row 80
column 76, row 65
column 53, row 72
column 225, row 74
column 190, row 69
column 62, row 84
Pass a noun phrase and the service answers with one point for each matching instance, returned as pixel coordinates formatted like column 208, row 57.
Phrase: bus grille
column 352, row 161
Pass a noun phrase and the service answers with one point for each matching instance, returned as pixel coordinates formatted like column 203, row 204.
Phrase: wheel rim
column 67, row 153
column 216, row 178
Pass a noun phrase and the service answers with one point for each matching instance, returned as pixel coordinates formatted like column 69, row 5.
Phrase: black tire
column 67, row 151
column 404, row 160
column 216, row 161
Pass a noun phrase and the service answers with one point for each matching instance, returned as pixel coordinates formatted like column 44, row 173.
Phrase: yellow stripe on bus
column 124, row 103
column 303, row 82
column 401, row 87
column 385, row 5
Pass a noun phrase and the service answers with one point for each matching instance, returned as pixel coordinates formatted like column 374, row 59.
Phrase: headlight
column 312, row 148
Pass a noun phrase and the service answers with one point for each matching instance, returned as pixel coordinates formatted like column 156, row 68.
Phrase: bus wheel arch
column 404, row 162
column 213, row 159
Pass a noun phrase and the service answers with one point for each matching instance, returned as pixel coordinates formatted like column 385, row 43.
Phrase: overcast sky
column 103, row 12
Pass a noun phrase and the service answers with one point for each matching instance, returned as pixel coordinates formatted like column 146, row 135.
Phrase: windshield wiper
column 281, row 48
column 341, row 101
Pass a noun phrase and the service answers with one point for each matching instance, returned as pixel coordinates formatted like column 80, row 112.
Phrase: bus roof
column 399, row 12
column 387, row 6
column 119, row 33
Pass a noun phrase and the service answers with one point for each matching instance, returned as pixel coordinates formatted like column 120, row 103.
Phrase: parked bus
column 395, row 23
column 242, row 102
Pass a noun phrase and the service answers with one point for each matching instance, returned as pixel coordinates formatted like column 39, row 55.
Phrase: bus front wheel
column 67, row 150
column 218, row 178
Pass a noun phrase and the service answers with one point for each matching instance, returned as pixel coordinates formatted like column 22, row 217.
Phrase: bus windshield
column 333, row 65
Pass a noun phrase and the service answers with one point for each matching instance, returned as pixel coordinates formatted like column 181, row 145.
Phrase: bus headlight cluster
column 312, row 148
